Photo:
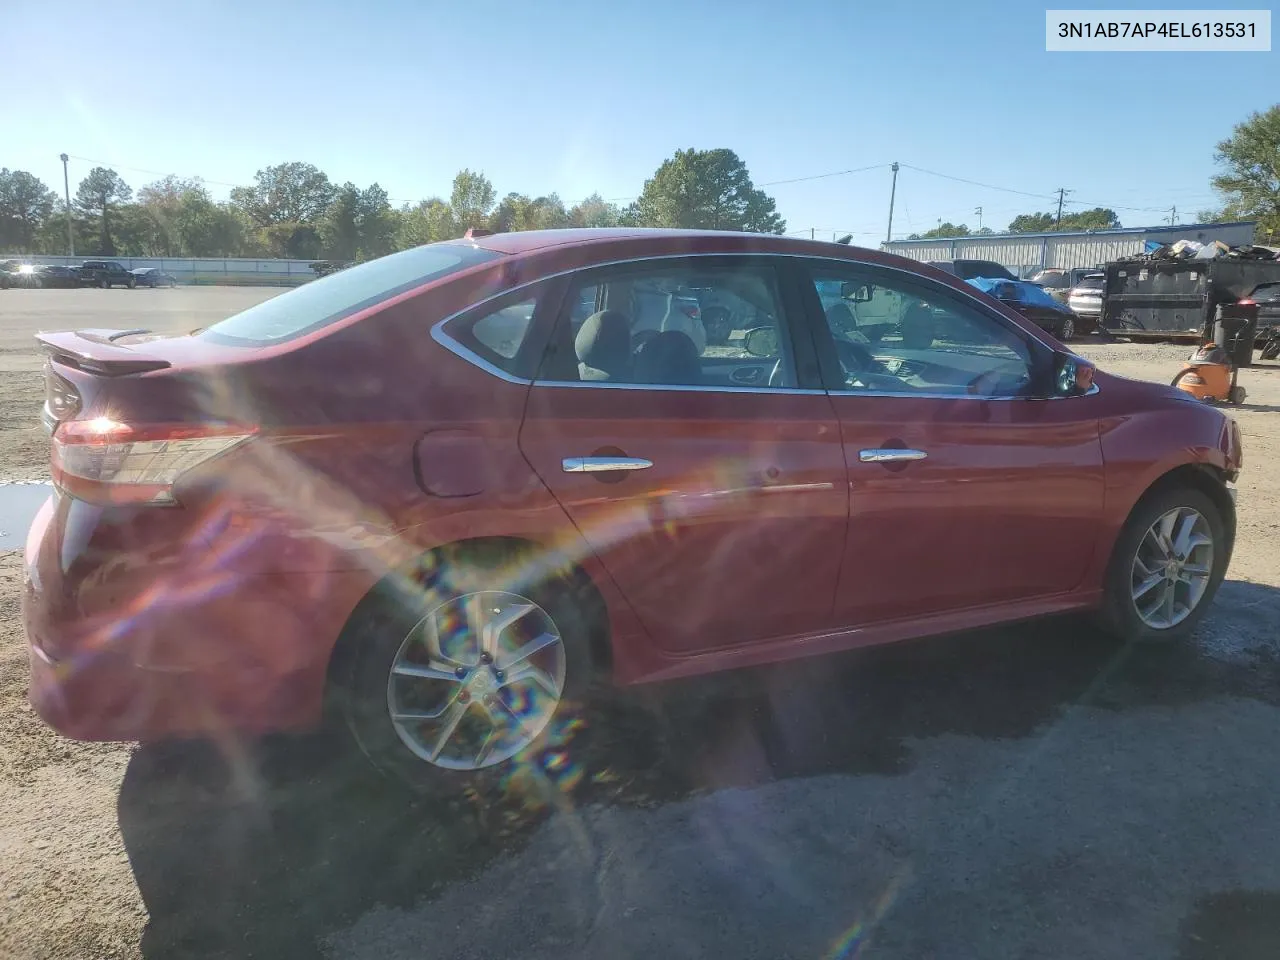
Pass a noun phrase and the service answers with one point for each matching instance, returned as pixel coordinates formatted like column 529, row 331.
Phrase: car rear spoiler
column 95, row 351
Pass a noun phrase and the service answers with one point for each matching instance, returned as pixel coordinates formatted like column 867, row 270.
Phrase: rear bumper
column 129, row 648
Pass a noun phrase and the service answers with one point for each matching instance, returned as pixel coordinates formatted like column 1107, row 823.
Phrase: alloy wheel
column 1171, row 568
column 1068, row 328
column 476, row 680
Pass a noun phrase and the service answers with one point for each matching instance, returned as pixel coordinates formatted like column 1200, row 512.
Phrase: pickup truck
column 105, row 274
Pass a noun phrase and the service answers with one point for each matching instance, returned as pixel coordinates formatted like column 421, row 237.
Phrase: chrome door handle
column 889, row 455
column 603, row 464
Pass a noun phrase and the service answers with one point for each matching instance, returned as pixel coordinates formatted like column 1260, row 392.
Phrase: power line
column 975, row 183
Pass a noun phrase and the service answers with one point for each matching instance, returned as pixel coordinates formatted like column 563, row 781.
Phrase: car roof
column 530, row 241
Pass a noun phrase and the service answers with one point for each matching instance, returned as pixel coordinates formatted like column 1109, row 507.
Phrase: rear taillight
column 693, row 313
column 62, row 400
column 1246, row 302
column 105, row 461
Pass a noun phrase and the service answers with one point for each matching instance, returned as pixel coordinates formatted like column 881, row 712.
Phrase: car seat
column 918, row 327
column 676, row 319
column 603, row 346
column 669, row 357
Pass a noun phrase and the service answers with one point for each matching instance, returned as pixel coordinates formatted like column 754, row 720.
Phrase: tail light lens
column 105, row 461
column 62, row 400
column 1246, row 302
column 692, row 312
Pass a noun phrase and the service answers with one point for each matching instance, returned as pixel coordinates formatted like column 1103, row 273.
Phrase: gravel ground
column 1030, row 792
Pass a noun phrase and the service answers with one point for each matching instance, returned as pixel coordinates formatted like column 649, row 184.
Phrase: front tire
column 1068, row 329
column 462, row 670
column 1167, row 565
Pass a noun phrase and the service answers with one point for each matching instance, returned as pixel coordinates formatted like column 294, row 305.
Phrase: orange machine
column 1210, row 375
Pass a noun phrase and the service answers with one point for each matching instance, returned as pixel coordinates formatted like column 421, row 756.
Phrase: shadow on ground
column 290, row 839
column 1240, row 925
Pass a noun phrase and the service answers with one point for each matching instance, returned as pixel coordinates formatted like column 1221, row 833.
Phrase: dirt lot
column 1027, row 792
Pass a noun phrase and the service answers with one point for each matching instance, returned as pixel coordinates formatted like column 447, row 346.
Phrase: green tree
column 25, row 204
column 427, row 222
column 518, row 212
column 1250, row 179
column 340, row 228
column 286, row 193
column 98, row 194
column 707, row 189
column 471, row 199
column 1099, row 218
column 377, row 223
column 594, row 212
column 1031, row 223
column 947, row 229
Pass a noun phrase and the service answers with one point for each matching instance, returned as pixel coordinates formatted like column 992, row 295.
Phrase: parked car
column 154, row 277
column 1085, row 301
column 421, row 485
column 973, row 269
column 1033, row 302
column 1267, row 297
column 106, row 274
column 53, row 275
column 17, row 273
column 1059, row 282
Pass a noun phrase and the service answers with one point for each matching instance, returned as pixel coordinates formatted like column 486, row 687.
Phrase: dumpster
column 1177, row 297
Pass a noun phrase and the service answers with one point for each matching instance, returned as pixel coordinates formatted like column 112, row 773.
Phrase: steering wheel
column 861, row 367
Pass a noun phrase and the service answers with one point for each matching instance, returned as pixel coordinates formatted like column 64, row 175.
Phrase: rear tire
column 1136, row 604
column 390, row 650
column 1236, row 395
column 104, row 284
column 1068, row 329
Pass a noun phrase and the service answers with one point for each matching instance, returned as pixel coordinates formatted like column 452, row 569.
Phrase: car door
column 966, row 488
column 718, row 509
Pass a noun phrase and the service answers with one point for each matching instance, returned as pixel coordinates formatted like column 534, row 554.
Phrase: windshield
column 343, row 293
column 1087, row 284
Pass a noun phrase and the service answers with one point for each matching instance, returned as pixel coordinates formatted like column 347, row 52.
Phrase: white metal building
column 1025, row 252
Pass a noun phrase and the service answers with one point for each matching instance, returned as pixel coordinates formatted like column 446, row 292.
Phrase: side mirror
column 761, row 342
column 857, row 292
column 1074, row 377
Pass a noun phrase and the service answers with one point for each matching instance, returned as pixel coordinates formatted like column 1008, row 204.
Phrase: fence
column 199, row 270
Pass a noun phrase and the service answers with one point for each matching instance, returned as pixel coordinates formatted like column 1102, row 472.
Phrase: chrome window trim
column 440, row 336
column 696, row 388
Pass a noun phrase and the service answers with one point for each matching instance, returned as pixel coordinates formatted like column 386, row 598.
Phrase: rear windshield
column 1090, row 283
column 1051, row 278
column 329, row 299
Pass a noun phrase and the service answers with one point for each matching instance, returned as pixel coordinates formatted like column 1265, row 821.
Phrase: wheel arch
column 490, row 549
column 1206, row 478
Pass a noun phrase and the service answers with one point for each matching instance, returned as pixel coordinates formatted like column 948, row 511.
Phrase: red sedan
column 456, row 483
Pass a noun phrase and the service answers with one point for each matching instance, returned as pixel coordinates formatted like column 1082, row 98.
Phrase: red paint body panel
column 735, row 534
column 756, row 536
column 968, row 525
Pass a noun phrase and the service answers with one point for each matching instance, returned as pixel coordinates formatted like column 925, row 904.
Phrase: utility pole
column 978, row 211
column 893, row 190
column 66, row 186
column 811, row 229
column 1173, row 215
column 1062, row 192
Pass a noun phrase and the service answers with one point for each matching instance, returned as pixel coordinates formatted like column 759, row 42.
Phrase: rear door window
column 642, row 324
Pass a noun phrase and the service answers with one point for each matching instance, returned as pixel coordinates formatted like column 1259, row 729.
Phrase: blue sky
column 576, row 97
